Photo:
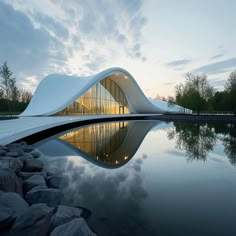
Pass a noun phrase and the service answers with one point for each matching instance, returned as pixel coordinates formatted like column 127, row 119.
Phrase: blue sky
column 157, row 41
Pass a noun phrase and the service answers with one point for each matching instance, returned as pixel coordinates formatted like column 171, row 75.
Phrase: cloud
column 42, row 37
column 180, row 62
column 217, row 56
column 218, row 82
column 217, row 67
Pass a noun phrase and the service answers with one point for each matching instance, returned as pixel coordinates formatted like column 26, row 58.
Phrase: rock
column 65, row 214
column 35, row 154
column 5, row 148
column 26, row 175
column 13, row 145
column 2, row 152
column 2, row 193
column 50, row 196
column 6, row 217
column 33, row 181
column 73, row 228
column 34, row 221
column 27, row 148
column 15, row 202
column 54, row 181
column 11, row 163
column 25, row 156
column 18, row 150
column 12, row 154
column 32, row 165
column 23, row 143
column 9, row 182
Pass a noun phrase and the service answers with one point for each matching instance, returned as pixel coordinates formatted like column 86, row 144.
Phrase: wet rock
column 50, row 196
column 5, row 148
column 65, row 214
column 35, row 154
column 11, row 163
column 34, row 221
column 33, row 181
column 26, row 175
column 12, row 154
column 6, row 217
column 25, row 156
column 54, row 181
column 2, row 152
column 15, row 202
column 9, row 182
column 18, row 150
column 73, row 228
column 13, row 145
column 32, row 165
column 27, row 148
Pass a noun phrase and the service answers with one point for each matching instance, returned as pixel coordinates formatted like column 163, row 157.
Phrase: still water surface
column 149, row 177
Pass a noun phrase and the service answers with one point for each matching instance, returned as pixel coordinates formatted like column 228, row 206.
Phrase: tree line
column 198, row 95
column 12, row 98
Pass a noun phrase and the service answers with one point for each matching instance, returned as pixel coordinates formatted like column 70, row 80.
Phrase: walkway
column 15, row 129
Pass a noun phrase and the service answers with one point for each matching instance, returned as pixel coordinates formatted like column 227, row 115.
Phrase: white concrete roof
column 56, row 91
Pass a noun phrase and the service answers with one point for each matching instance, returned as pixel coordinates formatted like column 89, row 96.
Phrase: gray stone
column 35, row 154
column 54, row 181
column 12, row 154
column 13, row 145
column 27, row 148
column 2, row 152
column 9, row 182
column 65, row 214
column 35, row 221
column 6, row 217
column 73, row 228
column 26, row 175
column 33, row 181
column 32, row 165
column 11, row 163
column 15, row 202
column 5, row 148
column 50, row 196
column 25, row 156
column 18, row 150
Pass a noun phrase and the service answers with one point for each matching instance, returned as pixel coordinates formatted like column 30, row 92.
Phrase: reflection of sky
column 158, row 192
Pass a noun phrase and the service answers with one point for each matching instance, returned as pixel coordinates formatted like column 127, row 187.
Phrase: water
column 149, row 177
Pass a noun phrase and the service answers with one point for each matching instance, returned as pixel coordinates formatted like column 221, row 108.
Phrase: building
column 113, row 91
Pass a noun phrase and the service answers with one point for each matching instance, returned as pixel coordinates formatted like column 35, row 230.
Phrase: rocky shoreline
column 30, row 198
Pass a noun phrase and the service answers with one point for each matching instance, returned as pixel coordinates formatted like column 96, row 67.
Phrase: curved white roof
column 57, row 91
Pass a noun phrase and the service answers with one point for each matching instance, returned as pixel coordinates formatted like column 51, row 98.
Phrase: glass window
column 106, row 97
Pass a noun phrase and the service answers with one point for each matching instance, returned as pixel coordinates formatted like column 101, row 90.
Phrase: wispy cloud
column 217, row 56
column 217, row 67
column 78, row 37
column 180, row 62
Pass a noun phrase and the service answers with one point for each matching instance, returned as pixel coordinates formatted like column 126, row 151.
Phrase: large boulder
column 27, row 148
column 34, row 221
column 50, row 196
column 73, row 228
column 35, row 154
column 9, row 182
column 33, row 181
column 32, row 165
column 6, row 217
column 12, row 154
column 2, row 152
column 15, row 202
column 25, row 156
column 26, row 175
column 65, row 214
column 54, row 181
column 11, row 163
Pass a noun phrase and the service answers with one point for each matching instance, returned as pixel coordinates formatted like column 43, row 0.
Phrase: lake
column 149, row 177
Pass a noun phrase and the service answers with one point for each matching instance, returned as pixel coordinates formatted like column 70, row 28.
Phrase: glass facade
column 105, row 97
column 100, row 141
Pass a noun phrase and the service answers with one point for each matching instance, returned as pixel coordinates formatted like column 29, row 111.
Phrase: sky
column 157, row 41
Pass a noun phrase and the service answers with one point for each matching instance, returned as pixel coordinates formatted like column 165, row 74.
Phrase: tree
column 195, row 94
column 230, row 88
column 25, row 96
column 6, row 80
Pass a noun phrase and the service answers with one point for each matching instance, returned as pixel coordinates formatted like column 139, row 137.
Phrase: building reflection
column 109, row 145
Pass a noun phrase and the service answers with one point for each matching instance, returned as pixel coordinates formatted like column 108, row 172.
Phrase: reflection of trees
column 229, row 140
column 195, row 138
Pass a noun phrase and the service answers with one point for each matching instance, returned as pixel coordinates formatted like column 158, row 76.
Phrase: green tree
column 195, row 94
column 230, row 88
